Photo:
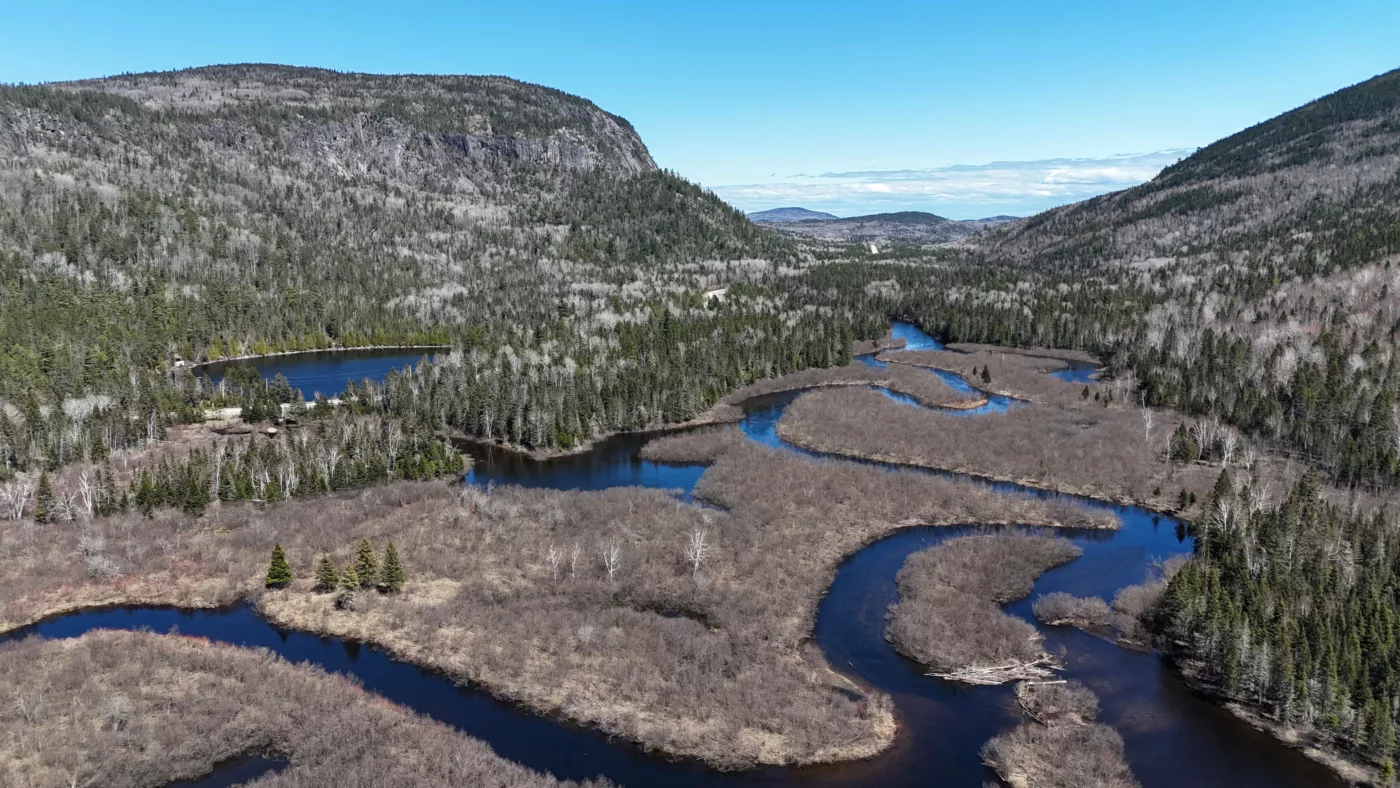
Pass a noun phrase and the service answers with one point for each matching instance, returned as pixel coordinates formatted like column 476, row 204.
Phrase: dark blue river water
column 1173, row 736
column 914, row 339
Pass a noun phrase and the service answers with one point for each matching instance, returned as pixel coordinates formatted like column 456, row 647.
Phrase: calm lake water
column 325, row 371
column 1173, row 736
column 1077, row 372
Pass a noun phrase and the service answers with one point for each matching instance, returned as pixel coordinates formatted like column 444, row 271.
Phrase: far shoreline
column 342, row 349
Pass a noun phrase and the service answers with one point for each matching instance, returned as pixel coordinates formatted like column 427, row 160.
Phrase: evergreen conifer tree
column 326, row 575
column 107, row 494
column 392, row 577
column 145, row 494
column 279, row 573
column 987, row 374
column 195, row 495
column 44, row 511
column 349, row 587
column 366, row 565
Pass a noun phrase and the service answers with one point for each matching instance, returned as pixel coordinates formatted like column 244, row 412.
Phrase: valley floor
column 510, row 589
column 592, row 606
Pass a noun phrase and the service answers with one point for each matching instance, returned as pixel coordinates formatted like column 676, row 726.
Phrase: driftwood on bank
column 1042, row 668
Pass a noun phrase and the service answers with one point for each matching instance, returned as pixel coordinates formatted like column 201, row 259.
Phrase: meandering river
column 1173, row 736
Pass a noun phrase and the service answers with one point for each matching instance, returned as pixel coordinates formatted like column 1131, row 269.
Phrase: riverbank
column 82, row 703
column 926, row 390
column 866, row 347
column 1041, row 447
column 1355, row 772
column 795, row 435
column 721, row 413
column 949, row 615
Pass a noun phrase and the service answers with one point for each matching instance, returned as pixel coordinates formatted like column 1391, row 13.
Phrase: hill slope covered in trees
column 1251, row 281
column 249, row 209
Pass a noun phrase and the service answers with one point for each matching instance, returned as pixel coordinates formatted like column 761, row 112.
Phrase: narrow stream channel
column 1173, row 736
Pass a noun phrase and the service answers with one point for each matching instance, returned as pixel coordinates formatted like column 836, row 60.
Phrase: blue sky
column 850, row 107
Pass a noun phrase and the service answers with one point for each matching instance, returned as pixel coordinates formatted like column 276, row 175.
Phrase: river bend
column 1173, row 736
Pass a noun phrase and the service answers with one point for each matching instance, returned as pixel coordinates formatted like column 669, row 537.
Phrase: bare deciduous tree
column 1249, row 458
column 287, row 477
column 393, row 441
column 67, row 506
column 15, row 496
column 697, row 549
column 30, row 706
column 553, row 559
column 218, row 474
column 88, row 492
column 261, row 479
column 611, row 555
column 1204, row 431
column 1229, row 444
column 329, row 460
column 575, row 553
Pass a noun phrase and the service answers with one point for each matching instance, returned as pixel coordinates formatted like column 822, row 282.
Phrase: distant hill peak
column 794, row 214
column 902, row 217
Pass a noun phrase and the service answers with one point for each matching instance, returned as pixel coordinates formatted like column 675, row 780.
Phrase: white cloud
column 961, row 191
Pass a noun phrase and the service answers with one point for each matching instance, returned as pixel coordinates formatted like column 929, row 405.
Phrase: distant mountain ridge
column 878, row 228
column 794, row 214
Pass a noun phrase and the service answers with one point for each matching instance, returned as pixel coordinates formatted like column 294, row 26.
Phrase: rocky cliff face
column 232, row 139
column 382, row 118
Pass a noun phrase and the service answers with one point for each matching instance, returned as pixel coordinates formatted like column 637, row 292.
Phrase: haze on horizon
column 807, row 105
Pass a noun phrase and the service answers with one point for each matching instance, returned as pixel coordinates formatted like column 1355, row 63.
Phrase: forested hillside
column 245, row 209
column 1252, row 281
column 232, row 210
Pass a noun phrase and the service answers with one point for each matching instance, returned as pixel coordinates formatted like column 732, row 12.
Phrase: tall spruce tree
column 326, row 575
column 349, row 586
column 44, row 510
column 366, row 564
column 279, row 573
column 392, row 577
column 145, row 494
